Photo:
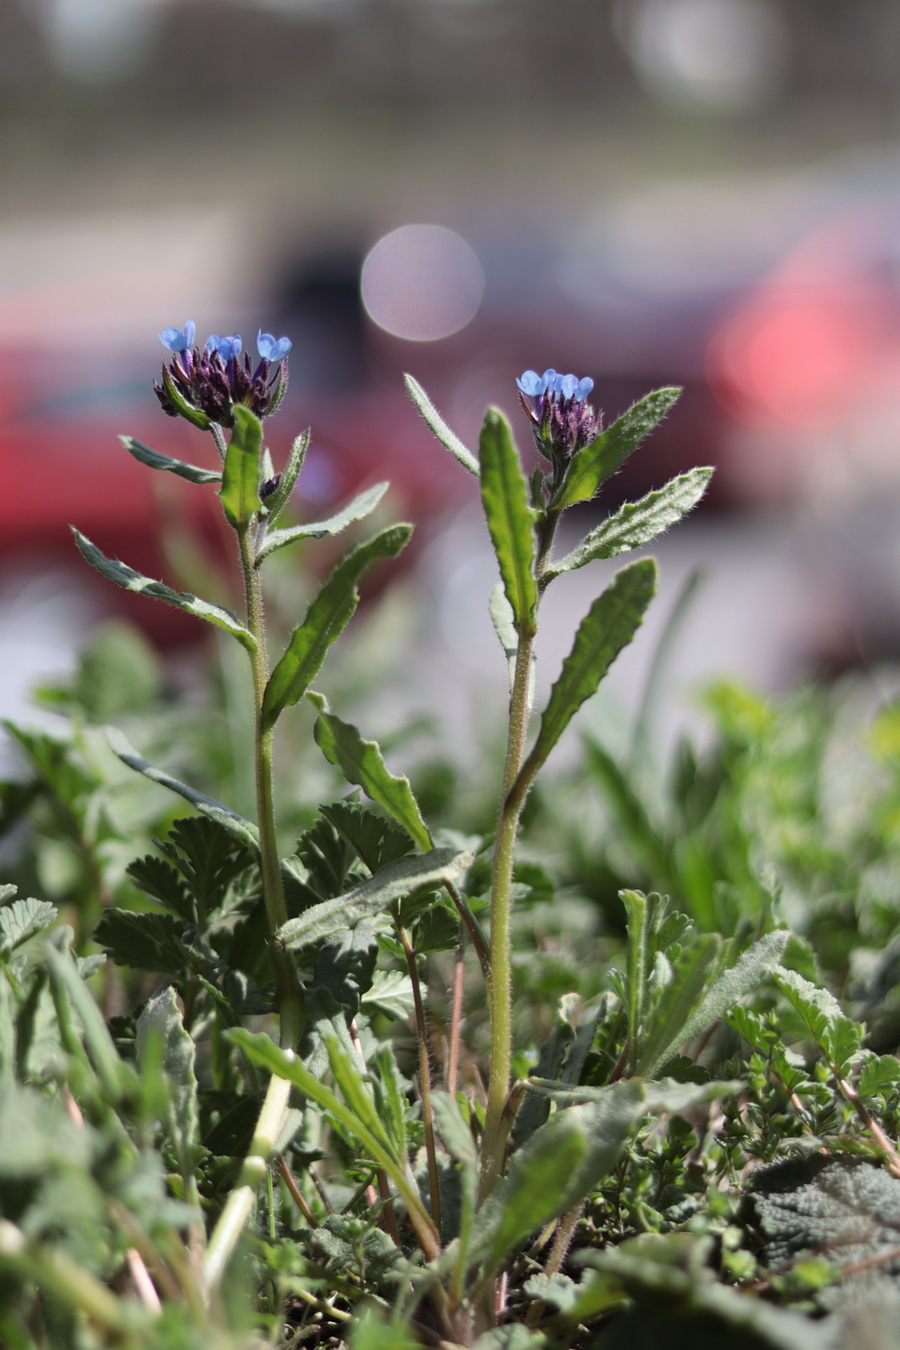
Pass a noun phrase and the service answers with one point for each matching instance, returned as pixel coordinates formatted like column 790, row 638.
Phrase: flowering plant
column 261, row 1117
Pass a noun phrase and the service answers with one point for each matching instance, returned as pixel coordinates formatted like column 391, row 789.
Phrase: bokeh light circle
column 422, row 282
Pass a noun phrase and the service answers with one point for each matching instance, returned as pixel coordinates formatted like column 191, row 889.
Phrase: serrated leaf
column 377, row 841
column 358, row 509
column 362, row 763
column 130, row 580
column 609, row 625
column 154, row 460
column 510, row 519
column 374, row 896
column 594, row 463
column 240, row 829
column 148, row 942
column 21, row 919
column 391, row 993
column 326, row 618
column 838, row 1037
column 438, row 426
column 240, row 472
column 289, row 475
column 637, row 523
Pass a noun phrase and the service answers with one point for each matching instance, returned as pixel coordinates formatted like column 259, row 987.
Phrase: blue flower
column 227, row 347
column 177, row 340
column 561, row 421
column 269, row 349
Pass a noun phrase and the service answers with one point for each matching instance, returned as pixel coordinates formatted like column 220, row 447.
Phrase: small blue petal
column 584, row 388
column 531, row 383
column 227, row 347
column 567, row 385
column 269, row 349
column 549, row 377
column 176, row 340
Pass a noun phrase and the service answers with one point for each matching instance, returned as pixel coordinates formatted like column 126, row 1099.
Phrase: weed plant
column 411, row 1086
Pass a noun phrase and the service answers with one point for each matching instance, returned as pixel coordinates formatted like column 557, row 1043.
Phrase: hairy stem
column 424, row 1069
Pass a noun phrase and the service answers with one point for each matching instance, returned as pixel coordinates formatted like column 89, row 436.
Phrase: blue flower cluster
column 203, row 384
column 561, row 419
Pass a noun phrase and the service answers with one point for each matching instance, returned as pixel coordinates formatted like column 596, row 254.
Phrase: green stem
column 286, row 988
column 424, row 1069
column 497, row 1120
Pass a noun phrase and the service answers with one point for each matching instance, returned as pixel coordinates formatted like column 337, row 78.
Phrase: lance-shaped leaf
column 365, row 1124
column 360, row 507
column 637, row 523
column 130, row 580
column 240, row 472
column 504, row 495
column 594, row 463
column 289, row 475
column 237, row 826
column 379, row 893
column 161, row 1020
column 326, row 618
column 561, row 1163
column 362, row 762
column 608, row 626
column 154, row 460
column 699, row 994
column 439, row 427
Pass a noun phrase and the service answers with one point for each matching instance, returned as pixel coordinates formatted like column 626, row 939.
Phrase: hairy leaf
column 504, row 495
column 358, row 509
column 361, row 762
column 609, row 625
column 274, row 504
column 382, row 891
column 637, row 523
column 130, row 580
column 241, row 470
column 161, row 1020
column 594, row 463
column 438, row 426
column 154, row 460
column 327, row 616
column 235, row 825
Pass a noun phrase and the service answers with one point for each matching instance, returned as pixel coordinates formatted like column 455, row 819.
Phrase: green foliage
column 351, row 1116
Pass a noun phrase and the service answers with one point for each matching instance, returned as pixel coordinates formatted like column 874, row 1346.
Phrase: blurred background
column 650, row 192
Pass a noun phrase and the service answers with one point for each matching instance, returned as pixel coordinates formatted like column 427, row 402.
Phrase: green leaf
column 664, row 1030
column 104, row 1057
column 240, row 829
column 504, row 495
column 148, row 942
column 376, row 839
column 637, row 523
column 160, row 1019
column 555, row 1170
column 609, row 625
column 289, row 475
column 594, row 463
column 240, row 472
column 21, row 919
column 391, row 993
column 362, row 763
column 154, row 460
column 130, row 580
column 327, row 616
column 838, row 1037
column 366, row 1127
column 379, row 893
column 438, row 426
column 360, row 507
